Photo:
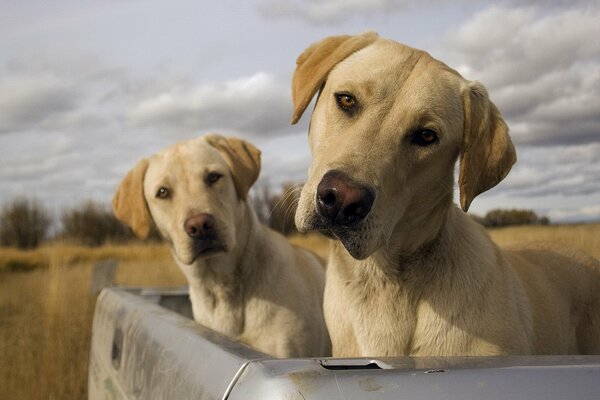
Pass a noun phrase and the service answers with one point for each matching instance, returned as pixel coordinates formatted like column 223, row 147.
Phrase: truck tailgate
column 146, row 346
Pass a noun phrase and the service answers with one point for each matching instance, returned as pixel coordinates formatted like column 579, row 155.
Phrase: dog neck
column 219, row 284
column 421, row 231
column 427, row 242
column 460, row 252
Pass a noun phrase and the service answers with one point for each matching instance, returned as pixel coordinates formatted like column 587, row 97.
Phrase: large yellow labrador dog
column 412, row 274
column 246, row 281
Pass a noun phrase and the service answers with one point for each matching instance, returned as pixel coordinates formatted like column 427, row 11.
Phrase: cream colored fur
column 260, row 290
column 418, row 277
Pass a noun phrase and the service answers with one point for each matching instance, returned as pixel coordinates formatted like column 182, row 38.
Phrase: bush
column 283, row 209
column 24, row 224
column 93, row 224
column 260, row 201
column 277, row 210
column 499, row 217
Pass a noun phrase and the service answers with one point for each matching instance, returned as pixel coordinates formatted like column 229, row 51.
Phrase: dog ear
column 129, row 203
column 487, row 152
column 243, row 159
column 314, row 64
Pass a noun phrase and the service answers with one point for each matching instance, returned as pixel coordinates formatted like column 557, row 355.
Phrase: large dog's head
column 388, row 125
column 193, row 191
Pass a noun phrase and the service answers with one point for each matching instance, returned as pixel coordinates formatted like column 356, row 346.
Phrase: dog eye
column 162, row 193
column 213, row 177
column 424, row 137
column 345, row 101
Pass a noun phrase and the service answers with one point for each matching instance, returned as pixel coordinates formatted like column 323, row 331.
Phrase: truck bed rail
column 146, row 346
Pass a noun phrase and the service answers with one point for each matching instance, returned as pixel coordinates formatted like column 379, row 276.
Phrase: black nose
column 200, row 226
column 341, row 201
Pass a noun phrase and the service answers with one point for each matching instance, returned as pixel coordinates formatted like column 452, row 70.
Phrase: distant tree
column 260, row 201
column 478, row 218
column 501, row 217
column 93, row 224
column 276, row 210
column 24, row 224
column 283, row 209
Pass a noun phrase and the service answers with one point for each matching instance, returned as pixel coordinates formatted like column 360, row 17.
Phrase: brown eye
column 345, row 101
column 424, row 137
column 213, row 177
column 162, row 193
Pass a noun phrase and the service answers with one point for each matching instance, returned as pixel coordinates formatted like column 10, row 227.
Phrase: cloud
column 515, row 45
column 558, row 171
column 539, row 59
column 591, row 213
column 285, row 159
column 72, row 129
column 257, row 104
column 330, row 12
column 85, row 94
column 43, row 93
column 72, row 125
column 542, row 69
column 33, row 101
column 319, row 12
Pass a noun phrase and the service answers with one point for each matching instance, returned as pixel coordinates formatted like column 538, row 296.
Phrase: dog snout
column 200, row 226
column 342, row 201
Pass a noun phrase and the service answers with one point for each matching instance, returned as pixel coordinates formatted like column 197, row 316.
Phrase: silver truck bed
column 146, row 346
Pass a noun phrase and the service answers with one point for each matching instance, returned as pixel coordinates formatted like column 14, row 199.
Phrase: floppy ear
column 129, row 203
column 487, row 151
column 314, row 64
column 243, row 159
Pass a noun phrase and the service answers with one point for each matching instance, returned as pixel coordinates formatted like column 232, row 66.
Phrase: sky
column 89, row 87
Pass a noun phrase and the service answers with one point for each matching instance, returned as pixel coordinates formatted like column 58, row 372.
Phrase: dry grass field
column 46, row 307
column 584, row 237
column 46, row 311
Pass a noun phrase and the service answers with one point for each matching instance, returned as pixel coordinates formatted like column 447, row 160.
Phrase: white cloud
column 81, row 94
column 591, row 213
column 541, row 66
column 257, row 104
column 43, row 93
column 70, row 130
column 33, row 100
column 557, row 170
column 509, row 46
column 320, row 12
column 72, row 125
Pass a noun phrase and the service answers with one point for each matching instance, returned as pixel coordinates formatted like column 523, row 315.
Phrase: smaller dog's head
column 193, row 191
column 388, row 126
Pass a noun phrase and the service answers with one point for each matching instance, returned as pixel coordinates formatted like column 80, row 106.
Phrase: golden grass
column 12, row 259
column 582, row 236
column 314, row 242
column 46, row 313
column 45, row 318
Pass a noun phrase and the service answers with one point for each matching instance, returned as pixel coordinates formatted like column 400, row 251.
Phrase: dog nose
column 341, row 201
column 200, row 226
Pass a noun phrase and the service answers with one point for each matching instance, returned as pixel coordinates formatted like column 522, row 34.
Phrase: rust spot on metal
column 305, row 381
column 369, row 385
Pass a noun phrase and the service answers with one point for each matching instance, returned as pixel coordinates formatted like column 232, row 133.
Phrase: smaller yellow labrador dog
column 411, row 273
column 246, row 281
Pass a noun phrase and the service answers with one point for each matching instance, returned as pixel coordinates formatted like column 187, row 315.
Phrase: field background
column 46, row 307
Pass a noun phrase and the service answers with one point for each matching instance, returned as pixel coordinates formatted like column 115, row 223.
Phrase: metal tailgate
column 145, row 346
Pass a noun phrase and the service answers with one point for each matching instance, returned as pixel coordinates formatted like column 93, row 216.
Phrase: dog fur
column 246, row 281
column 418, row 276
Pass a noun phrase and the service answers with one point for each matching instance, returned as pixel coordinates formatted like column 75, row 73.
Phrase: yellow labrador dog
column 246, row 281
column 411, row 273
